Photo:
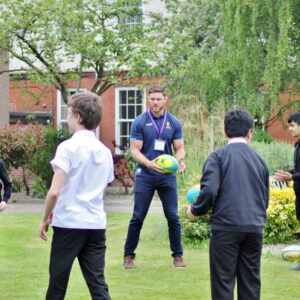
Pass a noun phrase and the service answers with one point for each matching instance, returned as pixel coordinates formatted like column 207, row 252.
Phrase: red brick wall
column 44, row 98
column 278, row 129
column 107, row 125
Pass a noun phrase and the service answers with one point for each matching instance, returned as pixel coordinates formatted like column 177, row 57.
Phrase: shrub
column 277, row 155
column 19, row 145
column 260, row 135
column 124, row 166
column 39, row 189
column 40, row 165
column 196, row 232
column 17, row 185
column 281, row 223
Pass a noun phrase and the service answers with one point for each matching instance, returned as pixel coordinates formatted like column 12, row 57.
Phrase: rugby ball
column 291, row 253
column 193, row 193
column 168, row 163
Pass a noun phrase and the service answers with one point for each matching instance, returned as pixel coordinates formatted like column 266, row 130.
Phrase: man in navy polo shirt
column 153, row 133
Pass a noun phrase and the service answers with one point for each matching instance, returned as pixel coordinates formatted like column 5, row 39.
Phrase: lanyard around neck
column 154, row 124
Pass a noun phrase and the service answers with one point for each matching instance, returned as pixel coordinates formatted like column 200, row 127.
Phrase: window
column 62, row 109
column 134, row 16
column 129, row 104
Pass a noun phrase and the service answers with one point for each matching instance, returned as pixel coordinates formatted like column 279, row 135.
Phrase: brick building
column 122, row 103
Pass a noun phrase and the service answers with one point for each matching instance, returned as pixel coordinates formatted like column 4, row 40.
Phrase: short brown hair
column 90, row 108
column 157, row 89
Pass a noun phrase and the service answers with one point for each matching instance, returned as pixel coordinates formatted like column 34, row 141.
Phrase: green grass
column 24, row 262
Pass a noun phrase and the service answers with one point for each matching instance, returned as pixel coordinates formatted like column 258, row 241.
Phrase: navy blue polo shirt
column 143, row 129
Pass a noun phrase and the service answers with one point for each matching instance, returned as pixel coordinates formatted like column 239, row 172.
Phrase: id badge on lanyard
column 159, row 144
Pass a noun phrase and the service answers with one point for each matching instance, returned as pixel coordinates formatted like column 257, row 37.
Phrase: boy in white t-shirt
column 83, row 167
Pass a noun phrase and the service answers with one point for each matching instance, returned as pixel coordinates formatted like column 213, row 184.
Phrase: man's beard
column 157, row 109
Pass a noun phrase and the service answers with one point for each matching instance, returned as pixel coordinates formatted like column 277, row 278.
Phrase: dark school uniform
column 235, row 184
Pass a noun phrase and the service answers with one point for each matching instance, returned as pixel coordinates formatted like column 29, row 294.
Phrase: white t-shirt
column 89, row 166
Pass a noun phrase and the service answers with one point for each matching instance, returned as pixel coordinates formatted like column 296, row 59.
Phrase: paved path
column 113, row 202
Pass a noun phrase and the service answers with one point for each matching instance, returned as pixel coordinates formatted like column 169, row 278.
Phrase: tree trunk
column 211, row 132
column 25, row 183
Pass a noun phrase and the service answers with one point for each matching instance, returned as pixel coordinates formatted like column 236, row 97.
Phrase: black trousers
column 297, row 207
column 89, row 247
column 235, row 256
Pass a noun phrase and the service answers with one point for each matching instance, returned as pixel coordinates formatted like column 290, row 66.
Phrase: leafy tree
column 237, row 53
column 56, row 39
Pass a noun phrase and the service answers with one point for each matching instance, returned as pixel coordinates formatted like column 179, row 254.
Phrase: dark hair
column 294, row 117
column 157, row 89
column 90, row 108
column 237, row 123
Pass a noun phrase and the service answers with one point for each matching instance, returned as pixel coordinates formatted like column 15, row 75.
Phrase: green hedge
column 281, row 222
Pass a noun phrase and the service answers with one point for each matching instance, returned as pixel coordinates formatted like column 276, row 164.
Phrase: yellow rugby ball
column 291, row 253
column 168, row 163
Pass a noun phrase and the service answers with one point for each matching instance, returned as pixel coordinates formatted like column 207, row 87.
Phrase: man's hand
column 152, row 165
column 281, row 175
column 190, row 216
column 181, row 166
column 3, row 206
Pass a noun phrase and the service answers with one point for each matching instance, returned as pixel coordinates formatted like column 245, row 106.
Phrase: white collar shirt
column 89, row 168
column 237, row 140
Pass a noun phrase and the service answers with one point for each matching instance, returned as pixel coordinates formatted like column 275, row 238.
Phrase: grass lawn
column 24, row 262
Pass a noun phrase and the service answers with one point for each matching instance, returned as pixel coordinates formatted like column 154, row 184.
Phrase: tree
column 57, row 39
column 238, row 53
column 190, row 67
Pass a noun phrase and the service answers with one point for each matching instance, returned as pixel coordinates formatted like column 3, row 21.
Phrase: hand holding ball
column 168, row 163
column 193, row 194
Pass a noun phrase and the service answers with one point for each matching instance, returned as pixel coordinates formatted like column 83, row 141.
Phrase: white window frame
column 131, row 21
column 117, row 111
column 60, row 102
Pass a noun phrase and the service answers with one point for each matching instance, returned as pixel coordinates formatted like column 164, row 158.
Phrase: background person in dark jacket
column 235, row 184
column 6, row 182
column 294, row 174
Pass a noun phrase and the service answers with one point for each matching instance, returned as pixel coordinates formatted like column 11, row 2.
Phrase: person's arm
column 281, row 175
column 267, row 183
column 58, row 181
column 178, row 146
column 135, row 148
column 210, row 183
column 7, row 186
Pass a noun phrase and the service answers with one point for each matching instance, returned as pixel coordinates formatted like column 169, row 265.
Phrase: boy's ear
column 249, row 135
column 78, row 118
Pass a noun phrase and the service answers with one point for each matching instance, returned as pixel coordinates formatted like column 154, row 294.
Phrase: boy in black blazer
column 235, row 184
column 294, row 174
